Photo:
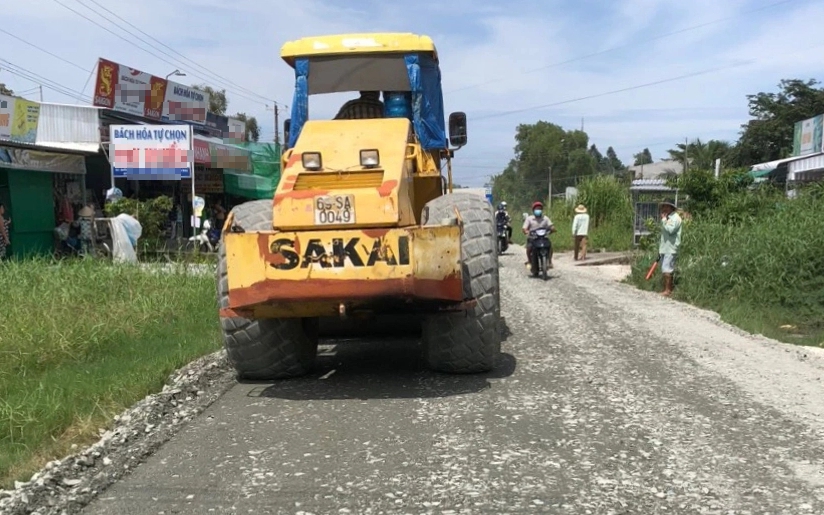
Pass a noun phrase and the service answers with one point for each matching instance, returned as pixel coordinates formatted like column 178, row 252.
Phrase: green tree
column 581, row 164
column 595, row 153
column 252, row 128
column 539, row 148
column 643, row 158
column 5, row 91
column 769, row 134
column 218, row 103
column 614, row 162
column 544, row 149
column 701, row 155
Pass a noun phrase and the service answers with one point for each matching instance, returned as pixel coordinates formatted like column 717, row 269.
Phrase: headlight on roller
column 370, row 158
column 311, row 160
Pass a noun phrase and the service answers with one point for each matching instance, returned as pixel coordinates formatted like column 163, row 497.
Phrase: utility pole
column 277, row 127
column 275, row 109
column 549, row 188
column 686, row 154
column 41, row 93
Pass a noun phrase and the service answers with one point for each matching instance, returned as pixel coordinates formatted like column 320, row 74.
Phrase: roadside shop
column 42, row 169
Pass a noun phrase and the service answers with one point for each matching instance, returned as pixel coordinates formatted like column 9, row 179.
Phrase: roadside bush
column 610, row 210
column 758, row 259
column 152, row 214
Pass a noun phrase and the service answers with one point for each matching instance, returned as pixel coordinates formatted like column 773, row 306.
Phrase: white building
column 660, row 170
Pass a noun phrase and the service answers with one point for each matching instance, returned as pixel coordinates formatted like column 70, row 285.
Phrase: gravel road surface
column 607, row 401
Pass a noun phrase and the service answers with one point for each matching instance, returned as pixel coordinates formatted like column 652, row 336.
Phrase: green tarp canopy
column 248, row 185
column 265, row 176
column 757, row 174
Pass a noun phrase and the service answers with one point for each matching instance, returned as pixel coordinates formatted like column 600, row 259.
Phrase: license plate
column 335, row 210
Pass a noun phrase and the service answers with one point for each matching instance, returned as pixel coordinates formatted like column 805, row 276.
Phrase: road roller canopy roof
column 370, row 62
column 357, row 44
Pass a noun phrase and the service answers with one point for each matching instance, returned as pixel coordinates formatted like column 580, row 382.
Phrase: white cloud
column 488, row 43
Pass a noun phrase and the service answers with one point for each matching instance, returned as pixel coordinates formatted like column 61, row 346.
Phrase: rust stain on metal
column 386, row 188
column 375, row 233
column 299, row 195
column 294, row 158
column 449, row 288
column 270, row 253
column 236, row 313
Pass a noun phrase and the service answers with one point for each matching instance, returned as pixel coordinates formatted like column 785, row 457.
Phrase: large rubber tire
column 468, row 342
column 263, row 349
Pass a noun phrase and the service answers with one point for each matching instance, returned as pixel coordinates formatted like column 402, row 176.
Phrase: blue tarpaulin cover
column 300, row 103
column 427, row 100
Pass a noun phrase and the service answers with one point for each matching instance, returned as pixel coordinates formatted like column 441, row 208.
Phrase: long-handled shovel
column 652, row 268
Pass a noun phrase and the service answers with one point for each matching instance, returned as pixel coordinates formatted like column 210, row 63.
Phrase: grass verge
column 762, row 270
column 82, row 340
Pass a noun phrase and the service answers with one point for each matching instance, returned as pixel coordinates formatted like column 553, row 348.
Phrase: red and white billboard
column 132, row 91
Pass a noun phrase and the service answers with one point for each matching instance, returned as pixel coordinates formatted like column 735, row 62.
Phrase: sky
column 636, row 73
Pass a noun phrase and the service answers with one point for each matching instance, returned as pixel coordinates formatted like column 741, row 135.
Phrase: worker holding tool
column 668, row 245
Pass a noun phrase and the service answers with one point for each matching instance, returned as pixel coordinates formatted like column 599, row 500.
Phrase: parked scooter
column 541, row 253
column 207, row 241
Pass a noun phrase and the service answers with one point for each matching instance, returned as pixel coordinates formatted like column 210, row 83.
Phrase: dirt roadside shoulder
column 66, row 486
column 784, row 376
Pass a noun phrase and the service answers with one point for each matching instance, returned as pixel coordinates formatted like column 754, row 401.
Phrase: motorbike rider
column 501, row 216
column 536, row 221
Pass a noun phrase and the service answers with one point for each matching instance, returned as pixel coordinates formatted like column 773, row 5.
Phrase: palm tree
column 701, row 155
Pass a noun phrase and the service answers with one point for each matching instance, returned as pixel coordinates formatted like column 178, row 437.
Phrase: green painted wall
column 30, row 205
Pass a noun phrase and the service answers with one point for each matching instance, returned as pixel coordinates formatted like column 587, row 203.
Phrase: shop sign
column 151, row 152
column 135, row 92
column 185, row 104
column 202, row 154
column 232, row 130
column 809, row 136
column 230, row 158
column 237, row 131
column 35, row 160
column 208, row 181
column 18, row 119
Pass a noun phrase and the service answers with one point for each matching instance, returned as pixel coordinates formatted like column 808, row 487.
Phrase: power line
column 613, row 92
column 43, row 81
column 170, row 63
column 633, row 43
column 193, row 63
column 4, row 31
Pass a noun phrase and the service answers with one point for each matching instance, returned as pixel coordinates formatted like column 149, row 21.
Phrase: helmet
column 501, row 206
column 537, row 205
column 503, row 203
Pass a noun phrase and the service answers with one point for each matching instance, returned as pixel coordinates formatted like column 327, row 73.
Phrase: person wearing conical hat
column 580, row 232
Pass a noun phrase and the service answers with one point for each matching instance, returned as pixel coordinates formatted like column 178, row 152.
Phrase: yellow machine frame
column 379, row 255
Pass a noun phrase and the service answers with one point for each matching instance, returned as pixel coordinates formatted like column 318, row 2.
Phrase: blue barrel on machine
column 397, row 104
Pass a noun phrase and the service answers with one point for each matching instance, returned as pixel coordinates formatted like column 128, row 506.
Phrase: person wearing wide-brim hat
column 580, row 232
column 670, row 241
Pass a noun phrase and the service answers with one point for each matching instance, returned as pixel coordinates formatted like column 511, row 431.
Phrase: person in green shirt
column 670, row 241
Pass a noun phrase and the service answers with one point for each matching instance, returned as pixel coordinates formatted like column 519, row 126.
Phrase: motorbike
column 541, row 253
column 206, row 241
column 503, row 238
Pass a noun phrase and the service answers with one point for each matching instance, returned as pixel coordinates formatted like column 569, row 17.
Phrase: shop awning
column 810, row 163
column 69, row 127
